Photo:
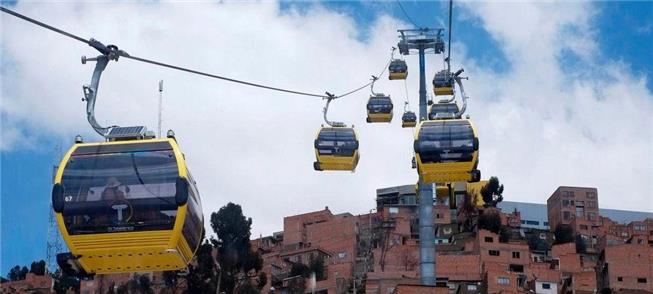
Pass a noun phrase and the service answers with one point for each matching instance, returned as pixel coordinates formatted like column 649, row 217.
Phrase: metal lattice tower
column 424, row 40
column 54, row 244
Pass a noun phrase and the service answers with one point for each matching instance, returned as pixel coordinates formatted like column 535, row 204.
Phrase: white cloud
column 539, row 127
column 542, row 126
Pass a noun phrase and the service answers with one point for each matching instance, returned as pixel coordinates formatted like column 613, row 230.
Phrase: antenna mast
column 160, row 105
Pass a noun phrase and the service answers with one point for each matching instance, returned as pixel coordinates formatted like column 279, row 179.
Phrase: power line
column 406, row 14
column 106, row 50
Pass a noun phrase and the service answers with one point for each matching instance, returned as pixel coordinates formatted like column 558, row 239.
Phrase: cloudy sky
column 561, row 94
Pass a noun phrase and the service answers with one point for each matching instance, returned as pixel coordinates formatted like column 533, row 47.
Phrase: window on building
column 639, row 228
column 580, row 211
column 565, row 202
column 590, row 195
column 651, row 233
column 546, row 286
column 393, row 210
column 565, row 193
column 533, row 223
column 620, row 279
column 571, row 194
column 503, row 281
column 471, row 287
column 523, row 222
column 494, row 252
column 342, row 254
column 546, row 224
column 591, row 204
column 518, row 268
column 580, row 203
column 515, row 254
column 641, row 280
column 566, row 215
column 583, row 227
column 488, row 239
column 591, row 216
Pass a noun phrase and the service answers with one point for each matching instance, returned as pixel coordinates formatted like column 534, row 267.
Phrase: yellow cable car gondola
column 443, row 83
column 336, row 148
column 126, row 206
column 379, row 108
column 447, row 151
column 408, row 120
column 397, row 70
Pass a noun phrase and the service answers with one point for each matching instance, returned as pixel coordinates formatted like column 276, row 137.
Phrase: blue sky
column 623, row 31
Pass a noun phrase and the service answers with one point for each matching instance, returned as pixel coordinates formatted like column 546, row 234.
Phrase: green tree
column 138, row 284
column 535, row 243
column 171, row 280
column 38, row 268
column 203, row 277
column 563, row 234
column 492, row 192
column 316, row 265
column 63, row 282
column 490, row 221
column 235, row 256
column 300, row 269
column 261, row 281
column 17, row 273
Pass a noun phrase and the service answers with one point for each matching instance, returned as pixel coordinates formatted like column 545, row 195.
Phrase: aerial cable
column 406, row 14
column 407, row 100
column 113, row 53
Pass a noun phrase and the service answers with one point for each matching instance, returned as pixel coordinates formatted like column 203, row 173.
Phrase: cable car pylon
column 424, row 40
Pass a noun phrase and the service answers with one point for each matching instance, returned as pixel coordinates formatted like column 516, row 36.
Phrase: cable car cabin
column 126, row 206
column 408, row 120
column 336, row 148
column 443, row 83
column 443, row 111
column 447, row 151
column 398, row 70
column 379, row 109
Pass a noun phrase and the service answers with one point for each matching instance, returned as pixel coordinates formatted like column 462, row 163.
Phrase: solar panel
column 127, row 132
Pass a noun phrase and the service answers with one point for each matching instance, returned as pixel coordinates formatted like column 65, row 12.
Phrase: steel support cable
column 103, row 49
column 406, row 14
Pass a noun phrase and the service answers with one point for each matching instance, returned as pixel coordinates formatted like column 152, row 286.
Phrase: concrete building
column 569, row 204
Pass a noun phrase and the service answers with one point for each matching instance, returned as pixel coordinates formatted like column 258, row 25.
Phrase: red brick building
column 567, row 204
column 626, row 266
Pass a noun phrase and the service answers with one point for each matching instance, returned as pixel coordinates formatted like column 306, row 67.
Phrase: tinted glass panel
column 336, row 142
column 381, row 104
column 445, row 141
column 398, row 66
column 442, row 80
column 115, row 192
column 443, row 108
column 194, row 221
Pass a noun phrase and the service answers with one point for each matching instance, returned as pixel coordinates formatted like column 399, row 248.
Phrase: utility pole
column 425, row 41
